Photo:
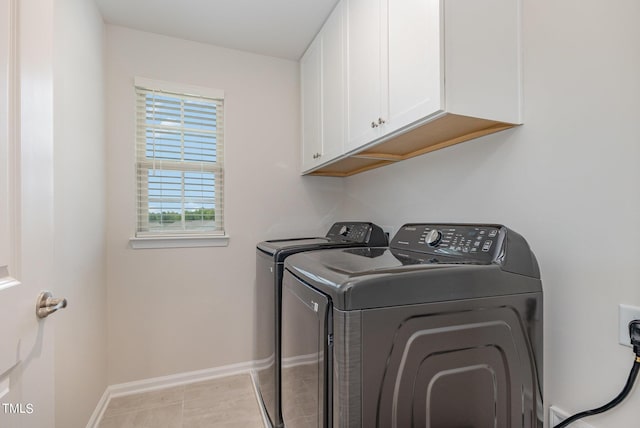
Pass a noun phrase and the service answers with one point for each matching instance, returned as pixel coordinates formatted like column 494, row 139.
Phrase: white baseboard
column 300, row 360
column 96, row 416
column 263, row 413
column 557, row 415
column 152, row 384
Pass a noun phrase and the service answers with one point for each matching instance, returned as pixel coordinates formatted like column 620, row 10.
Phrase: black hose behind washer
column 634, row 334
column 610, row 405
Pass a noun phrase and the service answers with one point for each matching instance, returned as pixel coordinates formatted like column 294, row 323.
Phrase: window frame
column 178, row 238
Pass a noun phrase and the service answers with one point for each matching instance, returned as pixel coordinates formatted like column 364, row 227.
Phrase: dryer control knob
column 433, row 238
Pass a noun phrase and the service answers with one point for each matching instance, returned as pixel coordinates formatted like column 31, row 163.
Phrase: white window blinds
column 179, row 153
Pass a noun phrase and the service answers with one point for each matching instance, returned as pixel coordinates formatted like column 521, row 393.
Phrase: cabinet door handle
column 374, row 125
column 380, row 121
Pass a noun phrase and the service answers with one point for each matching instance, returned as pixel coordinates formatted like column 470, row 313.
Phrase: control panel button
column 464, row 242
column 433, row 238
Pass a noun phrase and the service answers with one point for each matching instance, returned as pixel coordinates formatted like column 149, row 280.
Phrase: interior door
column 26, row 212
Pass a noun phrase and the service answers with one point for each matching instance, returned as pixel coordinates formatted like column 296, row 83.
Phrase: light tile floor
column 228, row 402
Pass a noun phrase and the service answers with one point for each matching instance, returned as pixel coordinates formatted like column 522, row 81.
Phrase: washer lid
column 281, row 249
column 363, row 278
column 360, row 278
column 340, row 235
column 276, row 245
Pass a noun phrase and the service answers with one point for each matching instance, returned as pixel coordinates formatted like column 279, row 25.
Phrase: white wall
column 568, row 180
column 80, row 211
column 173, row 311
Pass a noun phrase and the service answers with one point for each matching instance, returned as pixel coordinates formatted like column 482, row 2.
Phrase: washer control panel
column 463, row 241
column 358, row 232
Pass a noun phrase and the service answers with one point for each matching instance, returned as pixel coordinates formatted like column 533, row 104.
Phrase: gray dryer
column 441, row 330
column 270, row 257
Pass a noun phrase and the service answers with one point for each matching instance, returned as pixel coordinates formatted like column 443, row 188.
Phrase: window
column 179, row 159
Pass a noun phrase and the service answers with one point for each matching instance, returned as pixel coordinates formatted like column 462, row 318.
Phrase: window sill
column 193, row 241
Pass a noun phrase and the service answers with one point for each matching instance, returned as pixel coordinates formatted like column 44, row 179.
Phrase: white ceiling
column 280, row 28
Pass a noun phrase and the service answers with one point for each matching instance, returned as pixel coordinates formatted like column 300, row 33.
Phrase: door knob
column 47, row 304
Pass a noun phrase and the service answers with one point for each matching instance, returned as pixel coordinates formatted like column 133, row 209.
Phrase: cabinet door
column 333, row 85
column 363, row 71
column 311, row 87
column 414, row 62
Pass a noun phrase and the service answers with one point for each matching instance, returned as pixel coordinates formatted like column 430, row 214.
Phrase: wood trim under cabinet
column 436, row 134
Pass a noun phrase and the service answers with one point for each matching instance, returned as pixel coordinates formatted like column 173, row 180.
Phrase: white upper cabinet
column 483, row 59
column 322, row 75
column 333, row 85
column 394, row 65
column 413, row 63
column 363, row 71
column 311, row 88
column 420, row 75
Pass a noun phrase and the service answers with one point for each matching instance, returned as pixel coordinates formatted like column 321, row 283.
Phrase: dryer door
column 306, row 354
